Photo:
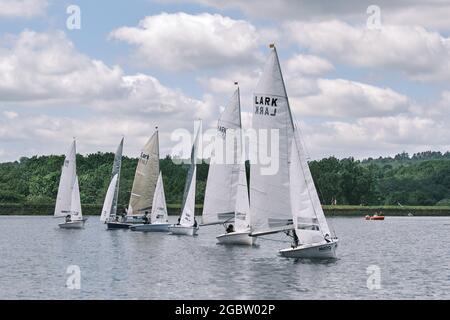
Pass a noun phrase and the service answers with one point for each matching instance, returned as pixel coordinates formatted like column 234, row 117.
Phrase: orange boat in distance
column 376, row 216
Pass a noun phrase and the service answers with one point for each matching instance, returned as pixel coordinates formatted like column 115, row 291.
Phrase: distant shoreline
column 175, row 209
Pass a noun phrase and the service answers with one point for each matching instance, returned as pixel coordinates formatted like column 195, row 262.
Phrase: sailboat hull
column 237, row 238
column 312, row 251
column 117, row 225
column 154, row 227
column 72, row 225
column 185, row 231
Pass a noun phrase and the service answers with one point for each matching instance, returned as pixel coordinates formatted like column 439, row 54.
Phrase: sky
column 362, row 81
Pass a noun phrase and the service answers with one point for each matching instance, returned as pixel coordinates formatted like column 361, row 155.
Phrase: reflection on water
column 411, row 252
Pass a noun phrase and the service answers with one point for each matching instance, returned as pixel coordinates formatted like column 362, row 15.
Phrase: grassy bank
column 174, row 209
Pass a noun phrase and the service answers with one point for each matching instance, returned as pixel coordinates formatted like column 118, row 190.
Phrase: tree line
column 420, row 179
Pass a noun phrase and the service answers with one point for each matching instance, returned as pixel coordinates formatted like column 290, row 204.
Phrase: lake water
column 412, row 253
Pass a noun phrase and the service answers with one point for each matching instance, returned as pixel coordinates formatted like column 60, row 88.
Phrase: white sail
column 66, row 183
column 187, row 216
column 145, row 178
column 242, row 211
column 308, row 216
column 159, row 208
column 222, row 182
column 109, row 199
column 75, row 205
column 269, row 191
column 117, row 165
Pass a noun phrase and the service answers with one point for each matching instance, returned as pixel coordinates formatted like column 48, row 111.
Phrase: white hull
column 312, row 251
column 180, row 230
column 237, row 238
column 154, row 227
column 72, row 225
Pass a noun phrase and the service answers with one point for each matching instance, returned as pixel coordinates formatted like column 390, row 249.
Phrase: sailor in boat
column 327, row 238
column 295, row 240
column 145, row 218
column 68, row 218
column 179, row 220
column 230, row 228
column 195, row 223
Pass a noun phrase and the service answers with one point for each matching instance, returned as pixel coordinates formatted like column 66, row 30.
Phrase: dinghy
column 109, row 210
column 226, row 186
column 285, row 200
column 159, row 221
column 187, row 225
column 144, row 185
column 240, row 234
column 68, row 204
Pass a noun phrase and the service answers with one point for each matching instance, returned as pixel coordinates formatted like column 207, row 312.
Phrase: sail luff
column 242, row 212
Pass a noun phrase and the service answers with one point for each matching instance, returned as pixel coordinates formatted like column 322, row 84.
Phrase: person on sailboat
column 230, row 228
column 68, row 218
column 195, row 223
column 145, row 218
column 179, row 221
column 296, row 241
column 327, row 238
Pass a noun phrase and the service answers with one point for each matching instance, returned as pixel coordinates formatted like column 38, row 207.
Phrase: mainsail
column 117, row 165
column 109, row 199
column 145, row 178
column 222, row 182
column 159, row 208
column 188, row 215
column 309, row 218
column 66, row 184
column 269, row 191
column 242, row 209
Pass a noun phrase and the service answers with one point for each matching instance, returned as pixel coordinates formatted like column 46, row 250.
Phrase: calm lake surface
column 413, row 254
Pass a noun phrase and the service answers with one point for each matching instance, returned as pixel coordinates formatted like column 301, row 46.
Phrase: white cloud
column 308, row 65
column 182, row 41
column 41, row 71
column 22, row 8
column 343, row 98
column 10, row 114
column 430, row 14
column 414, row 51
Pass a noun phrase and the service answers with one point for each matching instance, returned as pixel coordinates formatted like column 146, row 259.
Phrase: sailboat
column 187, row 224
column 240, row 234
column 144, row 185
column 109, row 210
column 285, row 200
column 226, row 194
column 159, row 221
column 68, row 202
